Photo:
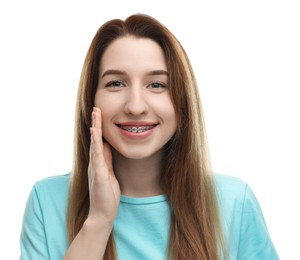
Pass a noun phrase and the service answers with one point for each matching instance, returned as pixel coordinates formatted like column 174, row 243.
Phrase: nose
column 136, row 101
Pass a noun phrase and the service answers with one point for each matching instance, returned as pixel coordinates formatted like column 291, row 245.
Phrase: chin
column 135, row 154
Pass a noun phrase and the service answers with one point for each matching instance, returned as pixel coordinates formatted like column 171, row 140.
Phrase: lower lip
column 136, row 136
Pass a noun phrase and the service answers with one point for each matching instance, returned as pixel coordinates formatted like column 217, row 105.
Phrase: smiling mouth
column 136, row 129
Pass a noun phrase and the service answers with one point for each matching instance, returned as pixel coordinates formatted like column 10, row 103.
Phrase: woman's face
column 138, row 116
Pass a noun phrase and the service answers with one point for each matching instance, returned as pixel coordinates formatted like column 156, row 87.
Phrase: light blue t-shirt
column 142, row 225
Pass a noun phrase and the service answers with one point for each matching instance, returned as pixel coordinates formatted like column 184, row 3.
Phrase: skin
column 124, row 164
column 129, row 91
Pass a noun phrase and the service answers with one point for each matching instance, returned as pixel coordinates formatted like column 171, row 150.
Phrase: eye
column 157, row 85
column 115, row 84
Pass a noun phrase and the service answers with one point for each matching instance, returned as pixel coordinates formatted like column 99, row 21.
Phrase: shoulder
column 44, row 221
column 230, row 187
column 49, row 197
column 237, row 201
column 56, row 182
column 244, row 225
column 234, row 194
column 222, row 179
column 52, row 188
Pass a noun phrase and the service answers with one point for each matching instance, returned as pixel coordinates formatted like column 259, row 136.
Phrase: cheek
column 105, row 106
column 165, row 108
column 106, row 103
column 99, row 100
column 107, row 125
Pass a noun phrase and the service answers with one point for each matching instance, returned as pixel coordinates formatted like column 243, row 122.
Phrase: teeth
column 135, row 129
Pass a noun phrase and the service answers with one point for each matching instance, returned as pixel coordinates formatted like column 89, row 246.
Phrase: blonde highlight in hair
column 196, row 231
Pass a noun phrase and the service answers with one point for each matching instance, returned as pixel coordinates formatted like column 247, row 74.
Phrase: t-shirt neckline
column 143, row 200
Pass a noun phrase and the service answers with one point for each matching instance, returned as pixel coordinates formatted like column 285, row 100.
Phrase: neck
column 138, row 177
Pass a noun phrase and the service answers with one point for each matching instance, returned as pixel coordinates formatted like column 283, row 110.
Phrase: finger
column 96, row 123
column 97, row 145
column 108, row 156
column 90, row 166
column 91, row 144
column 98, row 157
column 97, row 119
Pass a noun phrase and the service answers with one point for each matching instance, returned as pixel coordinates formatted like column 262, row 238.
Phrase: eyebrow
column 121, row 72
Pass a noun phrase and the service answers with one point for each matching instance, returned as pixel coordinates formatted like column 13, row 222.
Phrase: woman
column 141, row 185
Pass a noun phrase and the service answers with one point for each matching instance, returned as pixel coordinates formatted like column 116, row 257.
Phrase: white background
column 247, row 62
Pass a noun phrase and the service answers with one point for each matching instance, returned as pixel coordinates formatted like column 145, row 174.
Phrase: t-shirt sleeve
column 33, row 242
column 255, row 242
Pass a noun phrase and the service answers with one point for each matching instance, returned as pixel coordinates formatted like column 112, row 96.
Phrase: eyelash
column 120, row 83
column 110, row 84
column 162, row 85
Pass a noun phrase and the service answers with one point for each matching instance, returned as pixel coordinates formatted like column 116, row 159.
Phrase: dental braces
column 137, row 129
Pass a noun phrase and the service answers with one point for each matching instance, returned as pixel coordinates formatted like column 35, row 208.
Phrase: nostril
column 136, row 106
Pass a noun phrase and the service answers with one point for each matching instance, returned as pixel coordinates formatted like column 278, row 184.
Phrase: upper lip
column 137, row 123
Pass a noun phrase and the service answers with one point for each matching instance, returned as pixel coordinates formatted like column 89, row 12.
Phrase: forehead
column 131, row 53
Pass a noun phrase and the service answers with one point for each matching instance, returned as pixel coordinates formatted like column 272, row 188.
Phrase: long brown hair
column 196, row 231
